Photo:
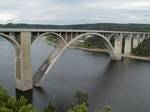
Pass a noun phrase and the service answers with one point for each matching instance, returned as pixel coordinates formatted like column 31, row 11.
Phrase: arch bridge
column 22, row 40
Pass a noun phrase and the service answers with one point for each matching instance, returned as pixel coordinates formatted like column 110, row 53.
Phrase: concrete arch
column 126, row 35
column 120, row 35
column 107, row 43
column 49, row 33
column 115, row 34
column 14, row 43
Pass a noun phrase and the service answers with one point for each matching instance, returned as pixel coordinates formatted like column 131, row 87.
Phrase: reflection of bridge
column 22, row 40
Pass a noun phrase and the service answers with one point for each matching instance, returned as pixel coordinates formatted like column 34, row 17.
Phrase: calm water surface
column 124, row 85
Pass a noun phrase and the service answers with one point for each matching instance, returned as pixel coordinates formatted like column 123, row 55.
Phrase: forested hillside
column 143, row 49
column 96, row 26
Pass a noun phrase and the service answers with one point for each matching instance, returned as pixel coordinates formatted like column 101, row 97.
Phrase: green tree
column 143, row 49
column 81, row 98
column 3, row 96
column 107, row 108
column 22, row 101
column 11, row 104
column 27, row 108
column 79, row 108
column 50, row 108
column 4, row 109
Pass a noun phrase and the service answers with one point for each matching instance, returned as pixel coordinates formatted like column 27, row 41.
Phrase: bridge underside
column 23, row 39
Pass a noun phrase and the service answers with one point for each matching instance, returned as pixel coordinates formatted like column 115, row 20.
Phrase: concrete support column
column 12, row 34
column 66, row 36
column 23, row 63
column 77, row 34
column 135, row 42
column 74, row 35
column 38, row 34
column 148, row 35
column 141, row 39
column 71, row 35
column 118, row 47
column 127, row 47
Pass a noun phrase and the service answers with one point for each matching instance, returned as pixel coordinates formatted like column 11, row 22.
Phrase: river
column 124, row 85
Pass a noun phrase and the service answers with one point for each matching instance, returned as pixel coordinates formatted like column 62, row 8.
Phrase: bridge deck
column 63, row 30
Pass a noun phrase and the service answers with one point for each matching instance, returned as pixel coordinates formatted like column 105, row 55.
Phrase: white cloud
column 72, row 12
column 141, row 3
column 4, row 17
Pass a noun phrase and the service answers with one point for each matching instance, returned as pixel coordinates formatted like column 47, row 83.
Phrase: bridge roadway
column 22, row 39
column 64, row 30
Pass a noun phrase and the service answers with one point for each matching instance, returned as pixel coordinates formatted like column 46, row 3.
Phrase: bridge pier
column 128, row 47
column 23, row 62
column 118, row 48
column 141, row 39
column 135, row 42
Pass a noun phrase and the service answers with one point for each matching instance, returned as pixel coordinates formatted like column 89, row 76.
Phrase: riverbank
column 105, row 51
column 91, row 50
column 137, row 57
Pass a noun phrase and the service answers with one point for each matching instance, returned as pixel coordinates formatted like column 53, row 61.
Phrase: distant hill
column 143, row 49
column 96, row 26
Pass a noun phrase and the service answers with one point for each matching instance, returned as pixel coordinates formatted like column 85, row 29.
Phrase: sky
column 74, row 11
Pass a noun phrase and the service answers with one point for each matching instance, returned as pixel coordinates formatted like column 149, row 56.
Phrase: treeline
column 11, row 104
column 93, row 42
column 143, row 49
column 96, row 26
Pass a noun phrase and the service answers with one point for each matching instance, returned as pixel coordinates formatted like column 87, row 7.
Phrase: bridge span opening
column 43, row 70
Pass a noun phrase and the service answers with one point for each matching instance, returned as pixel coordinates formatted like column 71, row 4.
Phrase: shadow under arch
column 14, row 43
column 49, row 33
column 112, row 35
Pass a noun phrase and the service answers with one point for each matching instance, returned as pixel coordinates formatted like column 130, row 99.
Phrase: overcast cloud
column 74, row 11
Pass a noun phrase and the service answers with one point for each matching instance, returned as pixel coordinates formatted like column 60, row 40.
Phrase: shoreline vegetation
column 11, row 104
column 146, row 58
column 143, row 49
